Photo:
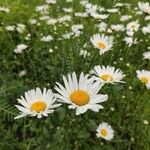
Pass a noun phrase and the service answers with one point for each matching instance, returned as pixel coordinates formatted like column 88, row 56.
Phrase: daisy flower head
column 80, row 94
column 146, row 55
column 144, row 6
column 102, row 42
column 133, row 26
column 105, row 131
column 144, row 77
column 37, row 103
column 108, row 74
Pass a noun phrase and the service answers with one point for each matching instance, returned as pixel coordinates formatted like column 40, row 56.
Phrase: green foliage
column 63, row 130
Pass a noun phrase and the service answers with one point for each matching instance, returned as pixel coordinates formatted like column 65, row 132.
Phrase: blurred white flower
column 22, row 73
column 20, row 27
column 118, row 27
column 102, row 26
column 133, row 26
column 146, row 122
column 130, row 41
column 4, row 9
column 125, row 18
column 10, row 28
column 146, row 55
column 47, row 38
column 144, row 6
column 146, row 29
column 20, row 48
column 33, row 21
column 84, row 53
column 42, row 8
column 50, row 1
column 76, row 29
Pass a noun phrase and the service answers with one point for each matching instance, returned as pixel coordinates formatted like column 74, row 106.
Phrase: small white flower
column 102, row 26
column 105, row 131
column 4, row 9
column 125, row 18
column 51, row 1
column 37, row 103
column 146, row 122
column 33, row 21
column 51, row 21
column 118, row 27
column 146, row 29
column 130, row 41
column 113, row 10
column 144, row 77
column 22, row 73
column 20, row 27
column 47, row 38
column 102, row 42
column 146, row 55
column 133, row 26
column 42, row 8
column 10, row 28
column 108, row 74
column 20, row 48
column 147, row 17
column 145, row 7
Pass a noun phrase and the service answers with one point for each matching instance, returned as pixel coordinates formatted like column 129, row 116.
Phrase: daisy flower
column 20, row 48
column 108, row 74
column 144, row 6
column 80, row 95
column 133, row 26
column 105, row 131
column 146, row 55
column 37, row 103
column 102, row 42
column 144, row 77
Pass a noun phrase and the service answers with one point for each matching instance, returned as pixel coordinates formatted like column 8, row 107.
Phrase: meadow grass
column 63, row 130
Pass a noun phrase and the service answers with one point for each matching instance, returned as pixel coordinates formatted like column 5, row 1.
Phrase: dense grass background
column 63, row 130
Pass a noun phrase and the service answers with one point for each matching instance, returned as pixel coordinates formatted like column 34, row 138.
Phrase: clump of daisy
column 37, row 103
column 144, row 77
column 102, row 42
column 80, row 94
column 105, row 131
column 108, row 74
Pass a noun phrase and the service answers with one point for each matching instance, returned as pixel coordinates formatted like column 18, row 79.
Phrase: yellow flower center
column 101, row 45
column 144, row 80
column 133, row 26
column 103, row 132
column 38, row 106
column 106, row 77
column 80, row 97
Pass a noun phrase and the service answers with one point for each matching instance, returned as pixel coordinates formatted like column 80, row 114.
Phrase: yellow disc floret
column 144, row 80
column 103, row 132
column 107, row 77
column 101, row 45
column 80, row 97
column 38, row 106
